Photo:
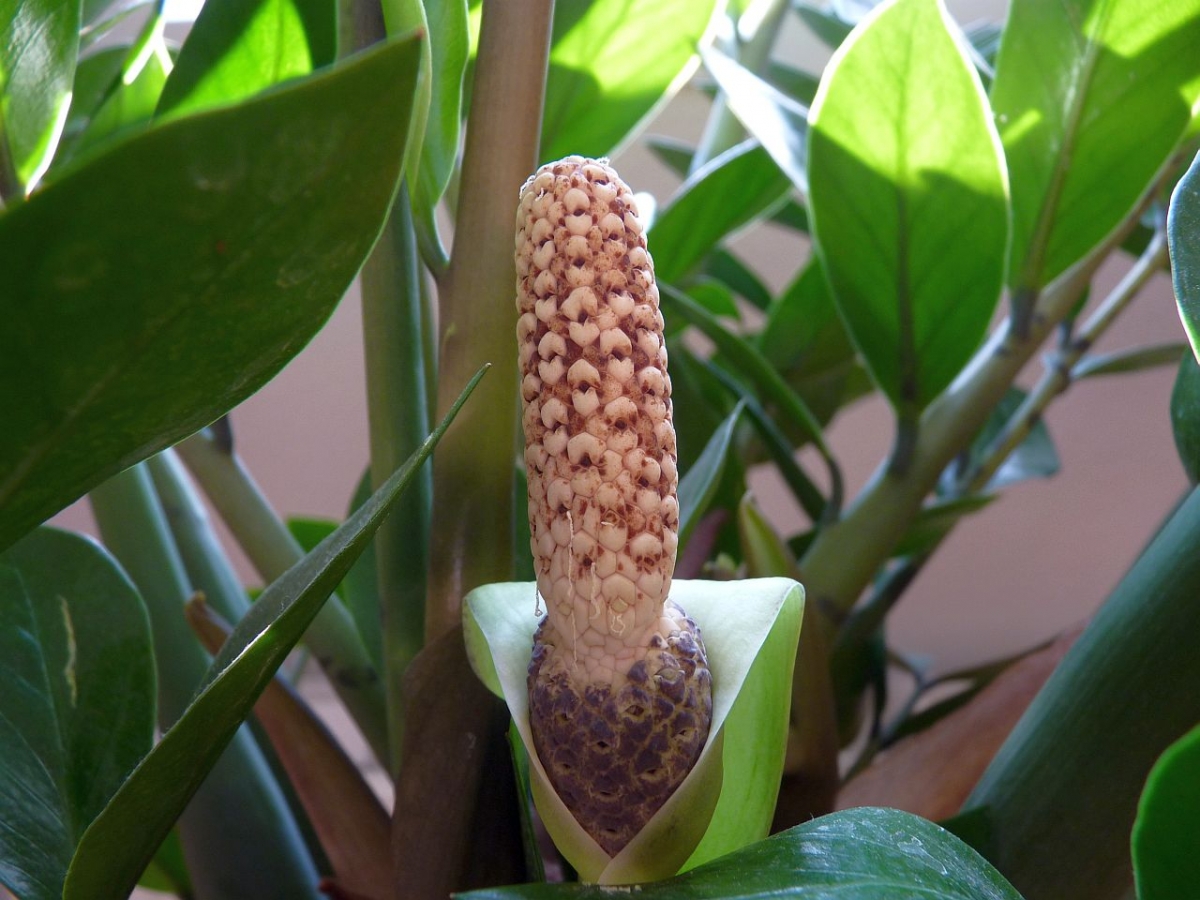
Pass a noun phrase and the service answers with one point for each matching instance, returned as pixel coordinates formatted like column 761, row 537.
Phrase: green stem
column 333, row 637
column 844, row 558
column 208, row 568
column 1061, row 794
column 261, row 842
column 10, row 183
column 393, row 318
column 473, row 468
column 756, row 29
column 1057, row 377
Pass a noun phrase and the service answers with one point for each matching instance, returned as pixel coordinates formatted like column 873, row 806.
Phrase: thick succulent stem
column 620, row 693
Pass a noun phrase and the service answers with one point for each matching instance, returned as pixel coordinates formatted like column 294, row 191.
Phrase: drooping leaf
column 1091, row 97
column 39, row 43
column 700, row 482
column 778, row 122
column 1185, row 416
column 726, row 193
column 154, row 288
column 857, row 854
column 909, row 198
column 1165, row 862
column 76, row 700
column 1183, row 237
column 612, row 64
column 123, row 838
column 238, row 48
column 707, row 816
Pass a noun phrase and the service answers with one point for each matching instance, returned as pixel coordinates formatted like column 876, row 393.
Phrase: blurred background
column 1039, row 559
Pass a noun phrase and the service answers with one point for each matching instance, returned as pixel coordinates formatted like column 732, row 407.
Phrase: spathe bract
column 750, row 629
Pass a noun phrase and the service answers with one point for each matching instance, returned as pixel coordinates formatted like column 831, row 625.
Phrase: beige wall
column 1037, row 560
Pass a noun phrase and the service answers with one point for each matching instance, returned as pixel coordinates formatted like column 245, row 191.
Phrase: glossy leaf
column 612, row 64
column 726, row 193
column 700, row 482
column 1185, row 416
column 1165, row 863
column 123, row 335
column 1183, row 237
column 778, row 121
column 909, row 198
column 1091, row 97
column 39, row 42
column 857, row 854
column 741, row 622
column 123, row 838
column 238, row 48
column 76, row 700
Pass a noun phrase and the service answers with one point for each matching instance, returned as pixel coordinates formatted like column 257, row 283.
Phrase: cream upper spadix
column 599, row 441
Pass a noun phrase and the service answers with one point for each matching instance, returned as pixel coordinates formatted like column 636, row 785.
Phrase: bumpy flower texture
column 619, row 687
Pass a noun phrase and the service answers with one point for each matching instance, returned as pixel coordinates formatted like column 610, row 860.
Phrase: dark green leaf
column 908, row 205
column 155, row 288
column 700, row 482
column 731, row 271
column 1185, row 416
column 713, row 296
column 611, row 65
column 39, row 42
column 76, row 700
column 800, row 86
column 858, row 854
column 361, row 585
column 673, row 153
column 1136, row 359
column 803, row 329
column 779, row 122
column 1090, row 98
column 1165, row 863
column 1183, row 236
column 96, row 76
column 168, row 870
column 238, row 48
column 1123, row 692
column 726, row 193
column 122, row 840
column 827, row 25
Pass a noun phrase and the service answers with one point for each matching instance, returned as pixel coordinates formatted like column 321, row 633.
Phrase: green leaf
column 1165, row 863
column 827, row 25
column 1183, row 237
column 740, row 622
column 700, row 482
column 737, row 276
column 909, row 198
column 76, row 700
column 132, row 99
column 778, row 121
column 361, row 585
column 936, row 520
column 168, row 870
column 39, row 43
column 803, row 329
column 612, row 64
column 237, row 49
column 727, row 192
column 96, row 76
column 799, row 85
column 713, row 296
column 857, row 854
column 1134, row 359
column 448, row 45
column 122, row 840
column 123, row 335
column 1185, row 416
column 1091, row 97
